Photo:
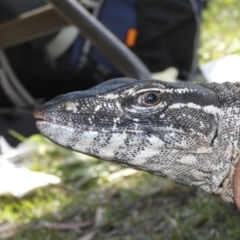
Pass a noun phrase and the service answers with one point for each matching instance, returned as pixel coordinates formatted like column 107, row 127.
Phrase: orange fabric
column 131, row 37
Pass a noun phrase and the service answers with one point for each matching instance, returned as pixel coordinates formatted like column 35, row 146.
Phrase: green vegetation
column 220, row 30
column 96, row 200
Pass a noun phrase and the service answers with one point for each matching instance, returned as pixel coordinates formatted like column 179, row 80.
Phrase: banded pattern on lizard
column 187, row 133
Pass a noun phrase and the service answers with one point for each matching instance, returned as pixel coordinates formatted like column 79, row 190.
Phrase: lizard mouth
column 40, row 117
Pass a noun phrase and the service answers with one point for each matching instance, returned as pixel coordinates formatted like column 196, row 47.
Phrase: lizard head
column 168, row 129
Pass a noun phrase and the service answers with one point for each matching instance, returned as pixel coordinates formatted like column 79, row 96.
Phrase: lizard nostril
column 70, row 107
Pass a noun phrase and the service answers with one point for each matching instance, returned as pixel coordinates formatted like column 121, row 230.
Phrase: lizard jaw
column 103, row 144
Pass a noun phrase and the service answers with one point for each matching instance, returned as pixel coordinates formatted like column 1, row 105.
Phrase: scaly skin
column 187, row 133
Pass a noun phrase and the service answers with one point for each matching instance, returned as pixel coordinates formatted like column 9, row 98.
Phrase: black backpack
column 161, row 33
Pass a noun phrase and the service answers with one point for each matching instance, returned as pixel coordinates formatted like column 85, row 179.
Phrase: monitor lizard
column 188, row 133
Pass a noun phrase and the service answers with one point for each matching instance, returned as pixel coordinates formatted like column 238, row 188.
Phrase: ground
column 99, row 200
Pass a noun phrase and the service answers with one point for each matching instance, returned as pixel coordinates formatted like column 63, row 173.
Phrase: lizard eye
column 148, row 99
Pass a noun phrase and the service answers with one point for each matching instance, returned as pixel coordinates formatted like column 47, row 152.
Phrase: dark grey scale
column 102, row 140
column 70, row 146
column 94, row 151
column 122, row 155
column 196, row 98
column 189, row 122
column 127, row 151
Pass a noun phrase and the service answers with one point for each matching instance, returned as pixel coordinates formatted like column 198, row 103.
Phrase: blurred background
column 47, row 192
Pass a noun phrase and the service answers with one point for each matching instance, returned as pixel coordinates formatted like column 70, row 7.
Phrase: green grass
column 135, row 207
column 220, row 30
column 139, row 206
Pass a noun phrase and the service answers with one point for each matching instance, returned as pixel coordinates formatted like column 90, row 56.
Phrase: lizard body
column 187, row 133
